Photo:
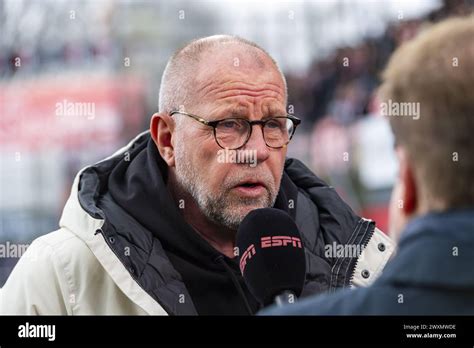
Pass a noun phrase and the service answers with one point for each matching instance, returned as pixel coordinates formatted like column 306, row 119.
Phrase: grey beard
column 223, row 208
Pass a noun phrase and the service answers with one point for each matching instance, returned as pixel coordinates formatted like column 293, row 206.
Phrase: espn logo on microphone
column 269, row 242
column 247, row 255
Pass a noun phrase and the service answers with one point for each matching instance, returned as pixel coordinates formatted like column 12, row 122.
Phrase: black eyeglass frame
column 296, row 121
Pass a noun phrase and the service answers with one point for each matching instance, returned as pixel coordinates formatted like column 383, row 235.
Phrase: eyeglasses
column 234, row 133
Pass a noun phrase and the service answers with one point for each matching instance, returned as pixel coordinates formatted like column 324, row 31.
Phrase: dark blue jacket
column 431, row 274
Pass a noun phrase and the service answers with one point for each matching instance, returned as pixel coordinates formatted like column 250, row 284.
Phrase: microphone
column 272, row 258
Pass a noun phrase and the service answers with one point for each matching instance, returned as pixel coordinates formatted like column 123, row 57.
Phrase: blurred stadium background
column 110, row 54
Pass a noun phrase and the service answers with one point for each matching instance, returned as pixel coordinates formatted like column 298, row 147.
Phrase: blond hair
column 436, row 70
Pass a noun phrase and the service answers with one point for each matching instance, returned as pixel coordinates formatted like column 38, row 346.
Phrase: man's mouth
column 250, row 188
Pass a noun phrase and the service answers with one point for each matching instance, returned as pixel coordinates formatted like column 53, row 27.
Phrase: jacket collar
column 82, row 217
column 435, row 250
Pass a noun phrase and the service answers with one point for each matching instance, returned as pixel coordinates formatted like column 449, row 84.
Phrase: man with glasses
column 151, row 230
column 233, row 133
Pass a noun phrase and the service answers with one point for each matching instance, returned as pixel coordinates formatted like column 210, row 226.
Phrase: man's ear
column 161, row 129
column 409, row 193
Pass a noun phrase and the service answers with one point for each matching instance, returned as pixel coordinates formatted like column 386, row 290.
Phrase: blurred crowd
column 70, row 46
column 341, row 86
column 342, row 138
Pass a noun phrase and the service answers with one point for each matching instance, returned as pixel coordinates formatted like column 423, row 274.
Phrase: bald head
column 203, row 59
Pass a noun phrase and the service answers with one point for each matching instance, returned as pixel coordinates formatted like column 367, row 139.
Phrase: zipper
column 368, row 237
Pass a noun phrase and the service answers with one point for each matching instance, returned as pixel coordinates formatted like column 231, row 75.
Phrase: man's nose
column 257, row 143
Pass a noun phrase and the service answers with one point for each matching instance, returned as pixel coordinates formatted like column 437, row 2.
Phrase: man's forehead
column 229, row 81
column 228, row 77
column 236, row 98
column 214, row 78
column 269, row 108
column 243, row 110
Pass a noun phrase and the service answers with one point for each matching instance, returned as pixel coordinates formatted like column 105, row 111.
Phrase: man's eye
column 274, row 124
column 230, row 124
